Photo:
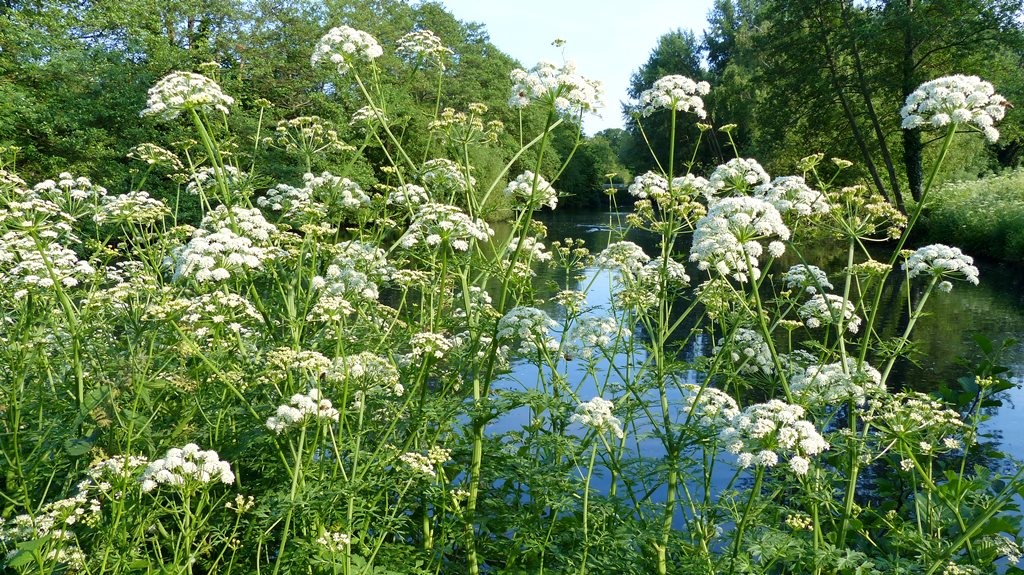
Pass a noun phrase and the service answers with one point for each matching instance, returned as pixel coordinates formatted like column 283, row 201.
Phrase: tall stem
column 755, row 492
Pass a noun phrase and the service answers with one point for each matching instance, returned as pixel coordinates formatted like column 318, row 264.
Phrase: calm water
column 995, row 309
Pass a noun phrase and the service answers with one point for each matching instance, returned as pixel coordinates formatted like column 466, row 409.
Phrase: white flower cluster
column 709, row 408
column 650, row 283
column 186, row 467
column 75, row 196
column 12, row 186
column 321, row 197
column 829, row 309
column 334, row 542
column 225, row 243
column 118, row 467
column 28, row 264
column 444, row 175
column 43, row 217
column 655, row 186
column 418, row 464
column 832, row 385
column 408, row 195
column 726, row 239
column 530, row 326
column 53, row 521
column 955, row 100
column 597, row 415
column 532, row 250
column 370, row 373
column 153, row 154
column 674, row 92
column 208, row 315
column 625, row 257
column 299, row 407
column 341, row 279
column 368, row 115
column 792, row 194
column 805, row 277
column 427, row 343
column 310, row 364
column 337, row 193
column 181, row 91
column 423, row 45
column 592, row 336
column 205, row 179
column 365, row 257
column 292, row 202
column 562, row 88
column 764, row 433
column 135, row 207
column 435, row 223
column 532, row 191
column 655, row 271
column 344, row 45
column 737, row 177
column 941, row 261
column 748, row 351
column 916, row 422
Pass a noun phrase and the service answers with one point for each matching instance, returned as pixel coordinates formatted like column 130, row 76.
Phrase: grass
column 984, row 217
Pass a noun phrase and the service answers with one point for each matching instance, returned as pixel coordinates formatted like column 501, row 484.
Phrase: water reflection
column 944, row 337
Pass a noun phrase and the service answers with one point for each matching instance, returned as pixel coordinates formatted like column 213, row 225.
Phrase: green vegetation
column 985, row 216
column 73, row 77
column 308, row 351
column 830, row 76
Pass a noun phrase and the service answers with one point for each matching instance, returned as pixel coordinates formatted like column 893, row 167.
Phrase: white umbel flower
column 342, row 46
column 181, row 91
column 955, row 100
column 674, row 92
column 597, row 414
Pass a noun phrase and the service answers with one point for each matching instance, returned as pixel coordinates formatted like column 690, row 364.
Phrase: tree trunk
column 865, row 92
column 851, row 117
column 912, row 145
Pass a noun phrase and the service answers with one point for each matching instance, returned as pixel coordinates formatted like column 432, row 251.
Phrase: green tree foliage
column 832, row 75
column 677, row 52
column 73, row 79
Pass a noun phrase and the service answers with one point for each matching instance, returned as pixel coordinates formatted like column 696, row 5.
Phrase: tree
column 830, row 75
column 677, row 52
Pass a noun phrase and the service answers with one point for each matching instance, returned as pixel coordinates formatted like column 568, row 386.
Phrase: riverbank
column 983, row 217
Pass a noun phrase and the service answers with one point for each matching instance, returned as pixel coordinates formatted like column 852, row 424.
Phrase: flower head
column 736, row 177
column 791, row 194
column 941, row 261
column 532, row 190
column 597, row 414
column 563, row 88
column 955, row 100
column 727, row 239
column 530, row 326
column 423, row 46
column 674, row 92
column 763, row 433
column 187, row 468
column 806, row 277
column 828, row 309
column 181, row 91
column 301, row 406
column 342, row 46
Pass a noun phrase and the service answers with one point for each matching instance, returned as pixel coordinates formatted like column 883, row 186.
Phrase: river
column 944, row 336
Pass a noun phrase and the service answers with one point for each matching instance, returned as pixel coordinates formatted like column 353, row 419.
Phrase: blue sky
column 608, row 40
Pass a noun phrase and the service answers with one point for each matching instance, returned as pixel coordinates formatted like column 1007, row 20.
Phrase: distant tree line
column 74, row 76
column 805, row 76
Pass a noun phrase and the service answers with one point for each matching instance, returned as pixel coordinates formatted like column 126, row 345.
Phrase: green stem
column 754, row 493
column 586, row 501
